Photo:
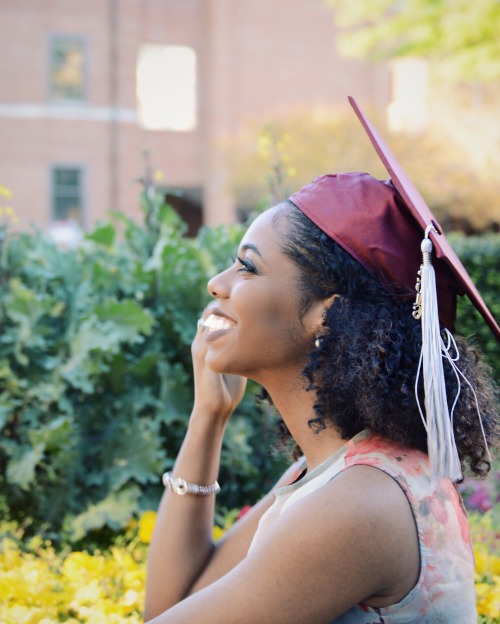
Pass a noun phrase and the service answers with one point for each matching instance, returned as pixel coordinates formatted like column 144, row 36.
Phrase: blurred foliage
column 462, row 37
column 95, row 373
column 481, row 257
column 462, row 191
column 95, row 370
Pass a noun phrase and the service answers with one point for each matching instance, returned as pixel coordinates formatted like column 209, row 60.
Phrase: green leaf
column 146, row 365
column 168, row 216
column 91, row 337
column 21, row 468
column 103, row 235
column 136, row 454
column 5, row 411
column 58, row 309
column 127, row 319
column 54, row 435
column 113, row 511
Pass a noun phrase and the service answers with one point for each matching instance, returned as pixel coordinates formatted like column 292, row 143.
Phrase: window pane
column 67, row 194
column 166, row 87
column 67, row 68
column 67, row 177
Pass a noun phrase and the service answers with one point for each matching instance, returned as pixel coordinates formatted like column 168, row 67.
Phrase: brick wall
column 255, row 59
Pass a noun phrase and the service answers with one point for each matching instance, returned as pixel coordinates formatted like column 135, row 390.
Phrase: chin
column 224, row 366
column 220, row 365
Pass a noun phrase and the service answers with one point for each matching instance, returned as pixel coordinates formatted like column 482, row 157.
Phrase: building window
column 67, row 194
column 166, row 87
column 408, row 110
column 67, row 63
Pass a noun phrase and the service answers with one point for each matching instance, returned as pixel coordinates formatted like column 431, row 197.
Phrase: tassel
column 442, row 450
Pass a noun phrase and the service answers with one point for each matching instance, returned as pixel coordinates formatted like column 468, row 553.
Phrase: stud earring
column 317, row 342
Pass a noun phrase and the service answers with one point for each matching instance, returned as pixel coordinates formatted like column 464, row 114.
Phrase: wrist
column 208, row 417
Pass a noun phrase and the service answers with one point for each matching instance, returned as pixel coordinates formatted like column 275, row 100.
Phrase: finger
column 204, row 315
column 198, row 341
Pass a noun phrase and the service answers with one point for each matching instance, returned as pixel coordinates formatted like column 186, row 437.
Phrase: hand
column 216, row 394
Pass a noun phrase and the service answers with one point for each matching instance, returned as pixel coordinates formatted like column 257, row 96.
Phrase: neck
column 296, row 406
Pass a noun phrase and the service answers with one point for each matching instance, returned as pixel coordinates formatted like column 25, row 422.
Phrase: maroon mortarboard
column 390, row 230
column 381, row 224
column 462, row 283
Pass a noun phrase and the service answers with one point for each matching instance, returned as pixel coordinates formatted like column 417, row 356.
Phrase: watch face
column 180, row 487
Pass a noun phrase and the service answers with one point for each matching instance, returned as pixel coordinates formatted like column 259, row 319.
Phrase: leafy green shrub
column 95, row 372
column 481, row 257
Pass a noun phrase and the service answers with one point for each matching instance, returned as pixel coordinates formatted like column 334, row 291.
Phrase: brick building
column 86, row 86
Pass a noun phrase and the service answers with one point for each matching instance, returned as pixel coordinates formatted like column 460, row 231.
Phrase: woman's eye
column 246, row 265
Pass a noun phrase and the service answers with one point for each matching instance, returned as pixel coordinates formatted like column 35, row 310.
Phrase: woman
column 371, row 532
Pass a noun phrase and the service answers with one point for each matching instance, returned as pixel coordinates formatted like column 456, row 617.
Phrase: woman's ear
column 315, row 317
column 328, row 302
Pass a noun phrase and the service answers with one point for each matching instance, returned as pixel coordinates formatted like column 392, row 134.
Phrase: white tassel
column 442, row 450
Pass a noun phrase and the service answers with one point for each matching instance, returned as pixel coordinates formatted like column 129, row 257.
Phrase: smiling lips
column 218, row 323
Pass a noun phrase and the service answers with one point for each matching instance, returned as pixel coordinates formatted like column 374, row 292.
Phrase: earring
column 317, row 342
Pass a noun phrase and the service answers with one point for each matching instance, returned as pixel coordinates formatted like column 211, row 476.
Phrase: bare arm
column 182, row 539
column 182, row 557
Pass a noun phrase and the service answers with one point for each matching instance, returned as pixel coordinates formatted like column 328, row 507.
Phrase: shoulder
column 357, row 529
column 362, row 501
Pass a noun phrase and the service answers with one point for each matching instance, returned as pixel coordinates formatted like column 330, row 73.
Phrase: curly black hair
column 364, row 370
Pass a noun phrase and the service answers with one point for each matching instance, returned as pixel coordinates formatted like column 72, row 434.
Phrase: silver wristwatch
column 181, row 486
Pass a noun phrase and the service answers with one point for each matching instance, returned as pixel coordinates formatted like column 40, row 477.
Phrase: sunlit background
column 219, row 93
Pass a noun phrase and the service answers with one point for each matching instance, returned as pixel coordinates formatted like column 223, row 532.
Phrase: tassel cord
column 452, row 360
column 458, row 373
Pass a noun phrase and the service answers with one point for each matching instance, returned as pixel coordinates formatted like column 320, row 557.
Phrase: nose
column 218, row 285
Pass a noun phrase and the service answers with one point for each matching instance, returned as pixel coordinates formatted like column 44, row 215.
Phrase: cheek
column 273, row 320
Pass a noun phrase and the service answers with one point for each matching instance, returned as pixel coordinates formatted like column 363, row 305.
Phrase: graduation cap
column 388, row 227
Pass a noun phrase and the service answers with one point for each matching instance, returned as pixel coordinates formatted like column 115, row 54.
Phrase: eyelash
column 246, row 265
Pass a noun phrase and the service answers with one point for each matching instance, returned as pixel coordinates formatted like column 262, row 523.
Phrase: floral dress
column 444, row 593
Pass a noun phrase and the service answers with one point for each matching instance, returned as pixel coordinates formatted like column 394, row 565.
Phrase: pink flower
column 244, row 510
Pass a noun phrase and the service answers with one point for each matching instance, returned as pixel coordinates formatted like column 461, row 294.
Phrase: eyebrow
column 251, row 247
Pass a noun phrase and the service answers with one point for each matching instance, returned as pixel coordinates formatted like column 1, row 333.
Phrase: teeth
column 216, row 323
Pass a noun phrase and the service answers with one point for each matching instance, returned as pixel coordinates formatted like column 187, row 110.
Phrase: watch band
column 181, row 486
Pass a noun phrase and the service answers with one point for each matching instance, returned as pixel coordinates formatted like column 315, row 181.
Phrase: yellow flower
column 20, row 614
column 5, row 191
column 89, row 593
column 146, row 526
column 481, row 557
column 217, row 533
column 158, row 175
column 488, row 600
column 80, row 566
